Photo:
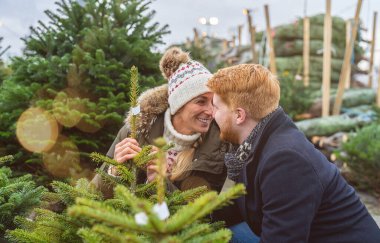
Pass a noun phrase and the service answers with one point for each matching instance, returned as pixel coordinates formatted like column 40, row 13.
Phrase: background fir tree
column 83, row 55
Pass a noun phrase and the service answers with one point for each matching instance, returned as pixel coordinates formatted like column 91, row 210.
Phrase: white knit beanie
column 187, row 78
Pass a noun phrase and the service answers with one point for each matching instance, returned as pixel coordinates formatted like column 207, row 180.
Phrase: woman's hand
column 126, row 149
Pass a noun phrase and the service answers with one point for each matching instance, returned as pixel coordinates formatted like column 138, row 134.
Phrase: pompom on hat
column 186, row 78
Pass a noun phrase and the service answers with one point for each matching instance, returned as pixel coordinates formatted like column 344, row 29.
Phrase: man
column 294, row 194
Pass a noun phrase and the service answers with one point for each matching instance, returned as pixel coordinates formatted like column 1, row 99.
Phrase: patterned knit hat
column 187, row 78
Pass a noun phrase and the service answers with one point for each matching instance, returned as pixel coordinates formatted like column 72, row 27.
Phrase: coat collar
column 153, row 103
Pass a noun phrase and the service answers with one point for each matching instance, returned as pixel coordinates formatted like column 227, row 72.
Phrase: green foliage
column 4, row 70
column 295, row 98
column 50, row 226
column 114, row 222
column 90, row 218
column 79, row 66
column 362, row 154
column 134, row 93
column 18, row 195
column 183, row 226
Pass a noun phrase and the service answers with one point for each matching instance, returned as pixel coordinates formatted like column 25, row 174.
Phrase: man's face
column 224, row 117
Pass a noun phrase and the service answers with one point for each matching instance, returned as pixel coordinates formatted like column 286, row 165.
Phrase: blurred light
column 245, row 11
column 36, row 130
column 89, row 125
column 1, row 23
column 68, row 107
column 214, row 20
column 204, row 34
column 63, row 159
column 203, row 20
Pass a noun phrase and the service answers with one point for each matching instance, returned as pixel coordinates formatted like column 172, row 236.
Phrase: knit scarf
column 241, row 155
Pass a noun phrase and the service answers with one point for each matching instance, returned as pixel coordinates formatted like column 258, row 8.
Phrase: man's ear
column 241, row 116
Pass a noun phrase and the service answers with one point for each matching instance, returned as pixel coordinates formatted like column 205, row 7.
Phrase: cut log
column 329, row 125
column 351, row 98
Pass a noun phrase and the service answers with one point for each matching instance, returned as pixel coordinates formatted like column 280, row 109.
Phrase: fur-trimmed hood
column 153, row 102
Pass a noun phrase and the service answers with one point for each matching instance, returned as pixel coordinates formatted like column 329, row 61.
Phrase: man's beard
column 227, row 134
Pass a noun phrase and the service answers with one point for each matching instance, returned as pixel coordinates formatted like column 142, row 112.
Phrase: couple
column 293, row 193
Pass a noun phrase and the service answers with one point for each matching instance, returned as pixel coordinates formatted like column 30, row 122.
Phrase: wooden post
column 378, row 89
column 196, row 37
column 188, row 43
column 348, row 37
column 346, row 62
column 272, row 57
column 326, row 61
column 255, row 57
column 252, row 33
column 306, row 51
column 240, row 29
column 233, row 41
column 225, row 46
column 373, row 44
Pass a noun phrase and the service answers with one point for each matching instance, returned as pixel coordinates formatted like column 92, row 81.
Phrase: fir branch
column 194, row 230
column 134, row 92
column 189, row 213
column 24, row 223
column 161, row 173
column 143, row 157
column 125, row 174
column 89, row 236
column 98, row 158
column 182, row 197
column 220, row 236
column 118, row 204
column 68, row 193
column 103, row 213
column 201, row 207
column 146, row 190
column 20, row 235
column 115, row 235
column 6, row 159
column 130, row 199
column 110, row 180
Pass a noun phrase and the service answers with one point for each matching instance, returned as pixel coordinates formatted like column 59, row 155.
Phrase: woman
column 181, row 112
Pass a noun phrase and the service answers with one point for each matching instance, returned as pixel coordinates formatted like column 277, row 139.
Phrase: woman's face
column 195, row 116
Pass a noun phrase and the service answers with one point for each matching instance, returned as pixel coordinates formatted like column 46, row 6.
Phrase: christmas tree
column 51, row 222
column 142, row 215
column 18, row 195
column 77, row 68
column 148, row 219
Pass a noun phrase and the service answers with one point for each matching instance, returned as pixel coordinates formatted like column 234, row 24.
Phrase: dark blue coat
column 296, row 195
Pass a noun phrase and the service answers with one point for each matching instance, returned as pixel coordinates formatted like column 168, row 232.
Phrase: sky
column 182, row 16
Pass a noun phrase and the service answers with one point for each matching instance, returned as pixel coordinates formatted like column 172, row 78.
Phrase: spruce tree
column 18, row 196
column 131, row 216
column 77, row 67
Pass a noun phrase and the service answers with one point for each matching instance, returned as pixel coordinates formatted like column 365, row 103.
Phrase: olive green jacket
column 207, row 167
